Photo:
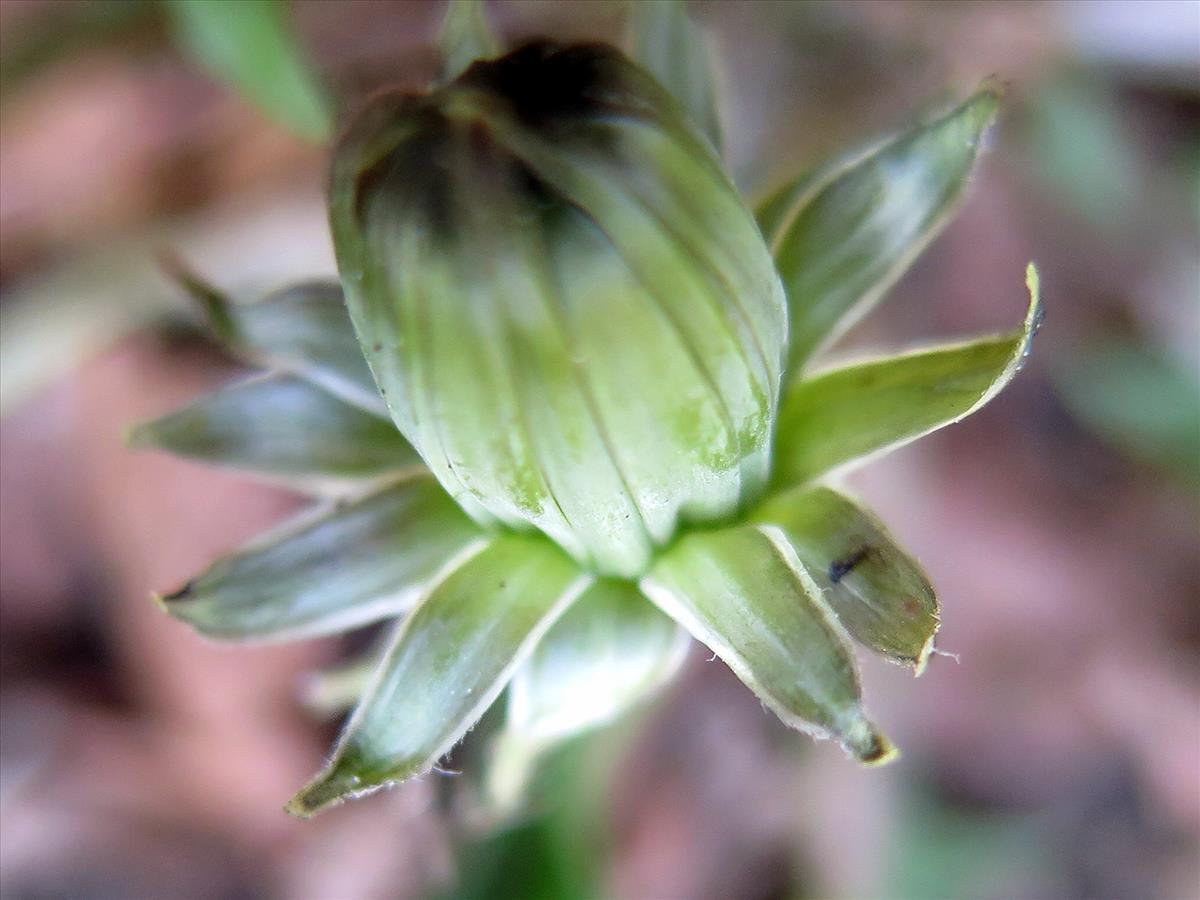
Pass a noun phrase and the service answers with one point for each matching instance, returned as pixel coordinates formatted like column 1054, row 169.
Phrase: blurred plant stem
column 558, row 849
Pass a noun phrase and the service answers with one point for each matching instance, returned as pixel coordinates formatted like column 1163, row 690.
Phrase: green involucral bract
column 744, row 593
column 555, row 388
column 303, row 435
column 876, row 590
column 569, row 309
column 448, row 662
column 842, row 235
column 350, row 565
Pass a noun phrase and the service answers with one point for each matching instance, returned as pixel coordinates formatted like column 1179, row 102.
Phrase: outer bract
column 570, row 312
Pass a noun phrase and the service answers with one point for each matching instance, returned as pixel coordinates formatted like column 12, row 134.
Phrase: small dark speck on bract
column 840, row 568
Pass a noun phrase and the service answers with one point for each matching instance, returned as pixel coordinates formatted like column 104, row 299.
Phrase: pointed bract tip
column 167, row 600
column 993, row 86
column 335, row 784
column 1033, row 281
column 1036, row 314
column 922, row 659
column 300, row 807
column 465, row 37
column 983, row 105
column 884, row 752
column 136, row 437
column 214, row 304
column 862, row 741
column 172, row 265
column 328, row 789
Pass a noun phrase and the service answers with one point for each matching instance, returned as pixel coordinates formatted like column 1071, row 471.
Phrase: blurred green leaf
column 743, row 593
column 283, row 428
column 1193, row 180
column 74, row 28
column 250, row 45
column 842, row 236
column 940, row 850
column 449, row 661
column 1081, row 149
column 58, row 317
column 606, row 654
column 879, row 592
column 1139, row 400
column 465, row 36
column 670, row 45
column 304, row 328
column 350, row 565
column 845, row 415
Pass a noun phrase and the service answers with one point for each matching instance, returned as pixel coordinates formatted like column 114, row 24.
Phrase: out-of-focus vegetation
column 250, row 45
column 1057, row 758
column 1143, row 402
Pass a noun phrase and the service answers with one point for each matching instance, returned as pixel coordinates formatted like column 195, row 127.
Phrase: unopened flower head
column 570, row 310
column 559, row 328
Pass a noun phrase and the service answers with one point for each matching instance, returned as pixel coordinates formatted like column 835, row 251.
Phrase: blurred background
column 1057, row 756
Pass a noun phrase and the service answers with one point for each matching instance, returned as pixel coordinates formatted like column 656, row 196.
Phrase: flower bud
column 570, row 312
